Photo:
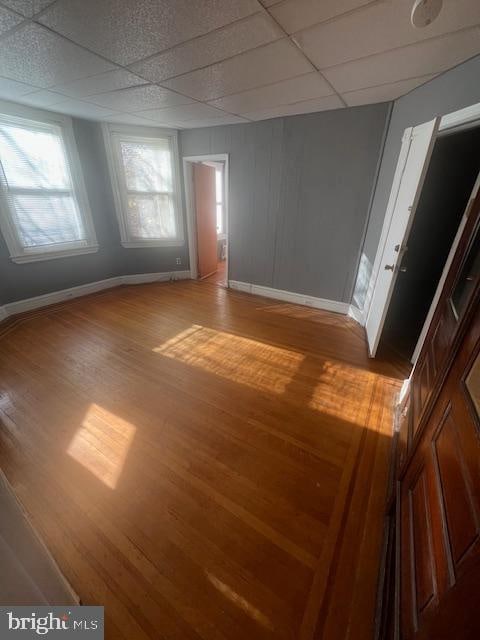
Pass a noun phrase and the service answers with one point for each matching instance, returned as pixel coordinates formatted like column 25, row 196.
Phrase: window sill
column 136, row 244
column 53, row 255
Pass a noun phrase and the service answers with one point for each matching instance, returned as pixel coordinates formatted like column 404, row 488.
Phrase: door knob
column 389, row 267
column 403, row 269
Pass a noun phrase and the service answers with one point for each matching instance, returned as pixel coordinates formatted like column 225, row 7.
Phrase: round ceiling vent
column 424, row 12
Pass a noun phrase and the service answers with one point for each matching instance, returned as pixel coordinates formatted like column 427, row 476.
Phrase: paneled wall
column 299, row 196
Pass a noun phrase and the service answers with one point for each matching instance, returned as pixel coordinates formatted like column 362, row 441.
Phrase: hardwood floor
column 204, row 463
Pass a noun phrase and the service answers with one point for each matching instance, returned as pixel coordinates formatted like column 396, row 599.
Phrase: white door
column 417, row 146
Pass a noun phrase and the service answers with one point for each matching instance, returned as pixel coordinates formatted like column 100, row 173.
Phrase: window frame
column 112, row 134
column 24, row 116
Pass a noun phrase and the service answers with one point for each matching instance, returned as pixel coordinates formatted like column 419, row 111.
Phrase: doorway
column 206, row 195
column 449, row 181
column 432, row 189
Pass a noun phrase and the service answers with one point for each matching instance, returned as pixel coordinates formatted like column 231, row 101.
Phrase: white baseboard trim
column 29, row 304
column 355, row 313
column 289, row 296
column 143, row 278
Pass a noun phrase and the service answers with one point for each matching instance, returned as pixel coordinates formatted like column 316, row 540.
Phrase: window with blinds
column 41, row 216
column 144, row 178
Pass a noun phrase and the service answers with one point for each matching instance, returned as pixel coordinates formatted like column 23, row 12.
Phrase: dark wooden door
column 440, row 509
column 206, row 216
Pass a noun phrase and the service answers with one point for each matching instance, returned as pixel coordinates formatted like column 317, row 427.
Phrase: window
column 144, row 175
column 45, row 211
column 219, row 197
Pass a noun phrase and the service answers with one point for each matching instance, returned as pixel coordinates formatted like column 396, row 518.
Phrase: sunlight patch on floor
column 102, row 443
column 241, row 602
column 255, row 364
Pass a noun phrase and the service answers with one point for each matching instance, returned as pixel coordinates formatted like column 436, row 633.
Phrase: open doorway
column 206, row 195
column 450, row 178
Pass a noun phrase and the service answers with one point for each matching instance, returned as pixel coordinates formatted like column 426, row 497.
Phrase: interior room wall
column 21, row 281
column 299, row 195
column 453, row 90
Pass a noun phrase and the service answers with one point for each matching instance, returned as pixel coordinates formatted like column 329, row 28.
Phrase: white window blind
column 144, row 179
column 38, row 190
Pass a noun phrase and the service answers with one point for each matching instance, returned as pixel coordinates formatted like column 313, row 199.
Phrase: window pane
column 148, row 167
column 219, row 218
column 151, row 217
column 33, row 159
column 47, row 219
column 219, row 185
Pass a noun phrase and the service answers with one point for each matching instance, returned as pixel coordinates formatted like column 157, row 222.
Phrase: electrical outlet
column 179, row 261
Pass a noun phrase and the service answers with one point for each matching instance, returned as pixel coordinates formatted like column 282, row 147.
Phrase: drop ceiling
column 193, row 63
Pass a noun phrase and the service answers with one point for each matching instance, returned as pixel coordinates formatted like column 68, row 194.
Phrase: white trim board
column 29, row 304
column 290, row 296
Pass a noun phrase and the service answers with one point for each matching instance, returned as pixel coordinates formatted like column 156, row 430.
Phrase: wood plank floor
column 204, row 463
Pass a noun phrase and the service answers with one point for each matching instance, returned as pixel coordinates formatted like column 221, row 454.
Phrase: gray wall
column 455, row 89
column 20, row 281
column 299, row 196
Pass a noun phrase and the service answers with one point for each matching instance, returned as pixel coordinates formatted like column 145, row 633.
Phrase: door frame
column 188, row 162
column 467, row 117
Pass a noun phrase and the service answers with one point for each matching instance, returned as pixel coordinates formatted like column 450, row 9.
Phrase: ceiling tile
column 27, row 7
column 269, row 3
column 194, row 111
column 271, row 63
column 8, row 19
column 127, row 31
column 379, row 27
column 43, row 98
column 310, row 85
column 215, row 46
column 305, row 106
column 213, row 122
column 10, row 89
column 36, row 56
column 423, row 58
column 384, row 92
column 129, row 118
column 294, row 15
column 101, row 83
column 139, row 98
column 82, row 109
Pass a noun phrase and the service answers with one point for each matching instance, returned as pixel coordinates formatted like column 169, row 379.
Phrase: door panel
column 440, row 508
column 206, row 218
column 403, row 202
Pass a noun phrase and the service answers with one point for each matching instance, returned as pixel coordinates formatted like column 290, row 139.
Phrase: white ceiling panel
column 271, row 63
column 126, row 30
column 10, row 89
column 27, row 8
column 128, row 118
column 101, row 83
column 8, row 19
column 305, row 106
column 36, row 56
column 306, row 87
column 423, row 58
column 82, row 109
column 139, row 98
column 294, row 15
column 270, row 3
column 384, row 92
column 194, row 111
column 212, row 122
column 380, row 27
column 42, row 98
column 215, row 46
